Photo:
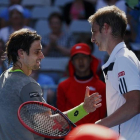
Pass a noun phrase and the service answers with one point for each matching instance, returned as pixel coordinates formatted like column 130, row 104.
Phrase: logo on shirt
column 34, row 94
column 122, row 73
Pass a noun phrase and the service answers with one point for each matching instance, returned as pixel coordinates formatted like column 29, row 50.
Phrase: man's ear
column 106, row 27
column 20, row 53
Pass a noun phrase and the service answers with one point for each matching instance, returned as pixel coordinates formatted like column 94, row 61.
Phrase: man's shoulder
column 126, row 56
column 21, row 78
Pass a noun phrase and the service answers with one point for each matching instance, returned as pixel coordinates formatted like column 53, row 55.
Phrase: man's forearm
column 123, row 114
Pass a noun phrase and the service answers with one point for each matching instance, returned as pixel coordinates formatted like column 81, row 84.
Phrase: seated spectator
column 82, row 73
column 16, row 22
column 77, row 10
column 58, row 42
column 2, row 50
column 4, row 15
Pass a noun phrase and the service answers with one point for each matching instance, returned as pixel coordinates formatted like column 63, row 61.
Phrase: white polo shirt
column 122, row 74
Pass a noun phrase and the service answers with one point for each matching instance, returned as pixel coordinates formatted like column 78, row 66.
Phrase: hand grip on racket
column 44, row 120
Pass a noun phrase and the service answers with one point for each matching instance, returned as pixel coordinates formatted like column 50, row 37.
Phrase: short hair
column 21, row 39
column 114, row 17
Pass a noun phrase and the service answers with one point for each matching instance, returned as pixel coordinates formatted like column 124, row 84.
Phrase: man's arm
column 90, row 104
column 125, row 112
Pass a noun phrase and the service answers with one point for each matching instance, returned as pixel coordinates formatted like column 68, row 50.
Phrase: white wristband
column 98, row 121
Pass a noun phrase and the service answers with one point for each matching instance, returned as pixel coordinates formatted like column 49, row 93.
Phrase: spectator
column 16, row 22
column 4, row 15
column 82, row 71
column 57, row 43
column 77, row 9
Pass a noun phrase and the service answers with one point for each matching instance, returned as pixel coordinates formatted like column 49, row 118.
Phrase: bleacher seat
column 54, row 64
column 36, row 2
column 80, row 26
column 42, row 27
column 61, row 3
column 44, row 12
column 4, row 2
column 2, row 7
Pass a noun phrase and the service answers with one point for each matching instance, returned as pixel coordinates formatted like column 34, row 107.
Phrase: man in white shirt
column 121, row 72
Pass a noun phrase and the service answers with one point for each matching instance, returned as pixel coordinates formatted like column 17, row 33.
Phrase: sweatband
column 77, row 113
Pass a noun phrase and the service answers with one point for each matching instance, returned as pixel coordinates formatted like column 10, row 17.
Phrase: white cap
column 16, row 7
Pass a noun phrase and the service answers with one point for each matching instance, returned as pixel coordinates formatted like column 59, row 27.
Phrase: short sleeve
column 31, row 92
column 128, row 75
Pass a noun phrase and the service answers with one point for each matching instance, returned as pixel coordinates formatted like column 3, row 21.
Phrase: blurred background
column 62, row 23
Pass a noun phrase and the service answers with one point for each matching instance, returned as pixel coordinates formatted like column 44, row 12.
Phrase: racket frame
column 48, row 106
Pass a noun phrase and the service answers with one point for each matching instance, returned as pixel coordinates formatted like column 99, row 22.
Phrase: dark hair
column 21, row 39
column 55, row 14
column 114, row 17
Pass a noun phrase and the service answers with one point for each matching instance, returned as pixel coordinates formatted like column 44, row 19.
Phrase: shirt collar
column 112, row 56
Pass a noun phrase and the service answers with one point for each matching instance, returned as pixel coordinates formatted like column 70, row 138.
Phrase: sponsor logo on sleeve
column 33, row 94
column 122, row 73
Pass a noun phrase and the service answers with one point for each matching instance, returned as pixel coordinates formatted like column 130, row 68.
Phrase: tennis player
column 24, row 50
column 121, row 72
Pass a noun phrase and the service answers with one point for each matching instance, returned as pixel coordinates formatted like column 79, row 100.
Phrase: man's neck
column 112, row 44
column 25, row 71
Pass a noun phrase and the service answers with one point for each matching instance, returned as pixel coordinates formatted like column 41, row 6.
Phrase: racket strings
column 44, row 121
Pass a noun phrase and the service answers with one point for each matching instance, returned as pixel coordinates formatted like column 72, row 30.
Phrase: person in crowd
column 5, row 17
column 121, row 72
column 58, row 42
column 82, row 72
column 77, row 10
column 16, row 22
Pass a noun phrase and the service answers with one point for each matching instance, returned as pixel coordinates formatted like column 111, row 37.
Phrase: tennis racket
column 44, row 120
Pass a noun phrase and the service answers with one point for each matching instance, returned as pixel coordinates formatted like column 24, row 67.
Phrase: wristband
column 76, row 113
column 98, row 121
